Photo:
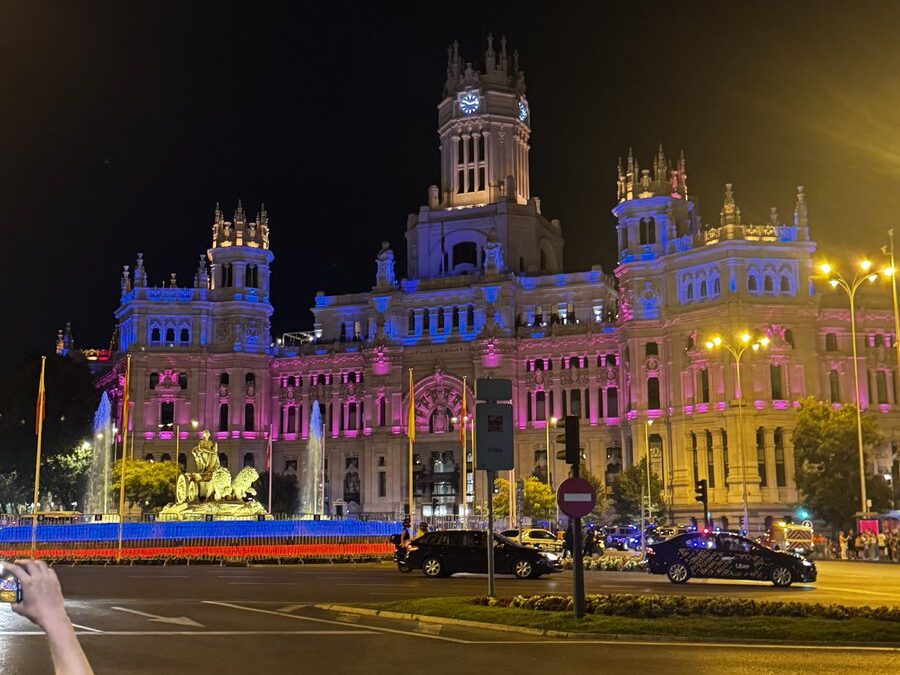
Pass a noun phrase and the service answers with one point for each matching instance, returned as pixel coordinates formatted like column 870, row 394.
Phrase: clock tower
column 484, row 125
column 484, row 196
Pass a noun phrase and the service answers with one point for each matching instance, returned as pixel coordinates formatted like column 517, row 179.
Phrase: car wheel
column 431, row 567
column 523, row 569
column 782, row 576
column 678, row 573
column 403, row 567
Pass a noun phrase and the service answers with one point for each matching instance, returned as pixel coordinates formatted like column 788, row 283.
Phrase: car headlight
column 552, row 557
column 806, row 563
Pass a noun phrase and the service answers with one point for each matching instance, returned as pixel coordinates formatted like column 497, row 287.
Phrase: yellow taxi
column 541, row 539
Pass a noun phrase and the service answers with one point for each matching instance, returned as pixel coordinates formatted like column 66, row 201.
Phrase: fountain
column 98, row 472
column 312, row 497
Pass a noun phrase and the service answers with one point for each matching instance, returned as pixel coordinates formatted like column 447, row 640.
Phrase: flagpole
column 125, row 403
column 269, row 467
column 475, row 455
column 464, row 463
column 39, row 427
column 411, row 434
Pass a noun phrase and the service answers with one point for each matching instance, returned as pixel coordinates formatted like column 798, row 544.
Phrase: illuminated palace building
column 486, row 295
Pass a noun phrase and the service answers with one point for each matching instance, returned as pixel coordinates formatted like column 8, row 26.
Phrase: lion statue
column 242, row 484
column 220, row 484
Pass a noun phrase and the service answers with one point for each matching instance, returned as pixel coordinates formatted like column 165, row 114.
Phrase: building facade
column 486, row 295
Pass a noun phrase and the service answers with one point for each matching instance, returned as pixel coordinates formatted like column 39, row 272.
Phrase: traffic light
column 570, row 438
column 700, row 492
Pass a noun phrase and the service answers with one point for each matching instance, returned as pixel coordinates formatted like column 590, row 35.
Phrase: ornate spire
column 126, row 280
column 504, row 57
column 217, row 216
column 239, row 216
column 173, row 281
column 731, row 212
column 201, row 277
column 801, row 213
column 773, row 215
column 660, row 169
column 140, row 274
column 60, row 344
column 490, row 58
column 682, row 175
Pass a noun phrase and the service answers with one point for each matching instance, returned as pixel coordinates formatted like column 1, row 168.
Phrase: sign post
column 494, row 447
column 576, row 498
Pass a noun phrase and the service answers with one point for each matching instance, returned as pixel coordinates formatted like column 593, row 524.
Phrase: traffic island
column 624, row 616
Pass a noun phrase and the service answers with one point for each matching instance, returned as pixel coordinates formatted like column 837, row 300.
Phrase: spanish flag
column 411, row 420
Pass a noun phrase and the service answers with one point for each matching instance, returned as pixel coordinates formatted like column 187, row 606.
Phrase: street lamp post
column 850, row 286
column 644, row 525
column 551, row 422
column 745, row 341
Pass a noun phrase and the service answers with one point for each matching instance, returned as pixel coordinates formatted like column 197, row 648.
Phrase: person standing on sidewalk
column 842, row 543
column 882, row 545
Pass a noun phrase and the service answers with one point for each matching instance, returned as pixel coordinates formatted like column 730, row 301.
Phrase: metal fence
column 272, row 540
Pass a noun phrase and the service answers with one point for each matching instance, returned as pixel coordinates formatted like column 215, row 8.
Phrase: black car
column 445, row 552
column 723, row 555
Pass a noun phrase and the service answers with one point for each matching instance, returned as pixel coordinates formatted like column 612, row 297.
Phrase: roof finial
column 218, row 217
column 490, row 59
column 773, row 215
column 731, row 212
column 239, row 216
column 801, row 213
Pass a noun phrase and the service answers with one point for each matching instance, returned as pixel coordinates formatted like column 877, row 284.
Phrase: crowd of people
column 868, row 545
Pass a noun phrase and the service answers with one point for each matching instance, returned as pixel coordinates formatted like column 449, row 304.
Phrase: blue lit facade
column 485, row 295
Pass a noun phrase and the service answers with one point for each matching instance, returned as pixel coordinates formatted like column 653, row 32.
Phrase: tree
column 63, row 475
column 71, row 400
column 538, row 499
column 827, row 462
column 285, row 493
column 629, row 487
column 600, row 506
column 150, row 485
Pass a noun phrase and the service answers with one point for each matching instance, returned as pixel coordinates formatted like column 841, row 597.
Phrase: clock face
column 523, row 110
column 469, row 103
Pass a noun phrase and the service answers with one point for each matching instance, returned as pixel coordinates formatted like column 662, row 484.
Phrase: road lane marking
column 178, row 620
column 196, row 633
column 857, row 590
column 335, row 623
column 692, row 645
column 93, row 630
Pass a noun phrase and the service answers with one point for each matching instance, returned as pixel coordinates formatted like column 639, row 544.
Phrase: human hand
column 42, row 599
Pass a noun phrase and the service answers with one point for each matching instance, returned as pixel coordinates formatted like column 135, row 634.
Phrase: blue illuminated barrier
column 286, row 539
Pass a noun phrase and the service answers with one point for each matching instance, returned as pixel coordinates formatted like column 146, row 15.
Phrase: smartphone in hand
column 10, row 589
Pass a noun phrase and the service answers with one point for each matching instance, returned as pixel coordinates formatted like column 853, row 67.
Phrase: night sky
column 122, row 124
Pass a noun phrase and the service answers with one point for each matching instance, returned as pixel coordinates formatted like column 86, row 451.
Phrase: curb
column 568, row 635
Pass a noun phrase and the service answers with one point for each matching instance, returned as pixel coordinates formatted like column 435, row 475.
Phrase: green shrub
column 658, row 606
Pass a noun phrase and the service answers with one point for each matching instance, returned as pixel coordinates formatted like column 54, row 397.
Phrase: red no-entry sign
column 576, row 497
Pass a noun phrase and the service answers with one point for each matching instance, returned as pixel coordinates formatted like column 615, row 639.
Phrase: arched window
column 574, row 362
column 465, row 253
column 881, row 386
column 610, row 359
column 543, row 261
column 834, row 386
column 702, row 293
column 252, row 276
column 223, row 417
column 411, row 323
column 426, row 321
column 785, row 285
column 223, row 460
column 575, row 399
column 768, row 284
column 689, row 291
column 351, row 415
column 154, row 334
column 185, row 336
column 653, row 393
column 540, row 405
column 291, row 420
column 789, row 337
column 831, row 344
column 717, row 286
column 250, row 379
column 167, row 413
column 612, row 402
column 704, row 385
column 470, row 318
column 878, row 340
column 780, row 477
column 761, row 457
column 249, row 459
column 227, row 275
column 182, row 380
column 752, row 283
column 154, row 380
column 455, row 319
column 651, row 349
column 170, row 335
column 223, row 380
column 249, row 422
column 710, row 460
column 777, row 382
column 440, row 320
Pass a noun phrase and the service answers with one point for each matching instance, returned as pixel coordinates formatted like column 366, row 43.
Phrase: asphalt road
column 210, row 619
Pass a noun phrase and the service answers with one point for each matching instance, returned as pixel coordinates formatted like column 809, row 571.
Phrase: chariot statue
column 210, row 490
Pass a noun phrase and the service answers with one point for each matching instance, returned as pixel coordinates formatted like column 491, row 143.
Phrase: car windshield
column 500, row 539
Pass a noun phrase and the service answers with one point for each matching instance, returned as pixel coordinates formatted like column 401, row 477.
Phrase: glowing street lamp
column 862, row 274
column 745, row 341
